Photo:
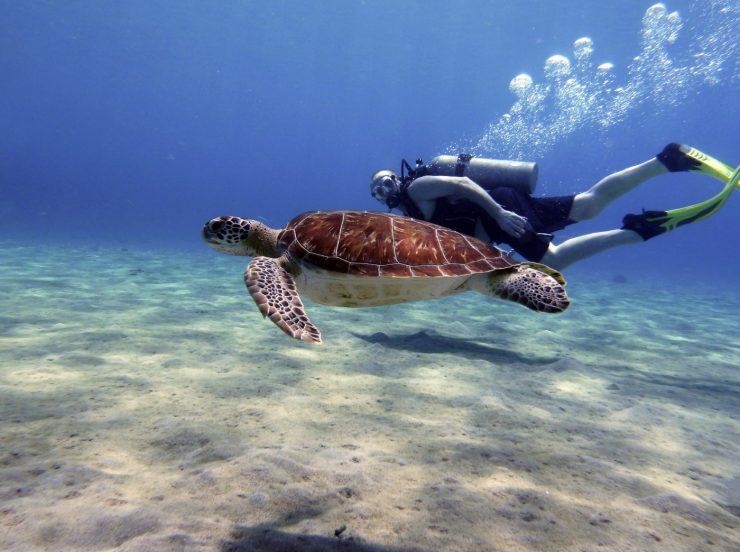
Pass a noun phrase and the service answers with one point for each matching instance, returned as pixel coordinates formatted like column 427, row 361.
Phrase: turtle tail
column 530, row 285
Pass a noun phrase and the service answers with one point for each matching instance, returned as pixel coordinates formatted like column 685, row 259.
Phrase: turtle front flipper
column 274, row 291
column 530, row 286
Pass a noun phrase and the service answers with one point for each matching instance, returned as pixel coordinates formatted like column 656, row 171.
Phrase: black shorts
column 544, row 214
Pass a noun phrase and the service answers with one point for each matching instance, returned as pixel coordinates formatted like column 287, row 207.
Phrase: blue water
column 145, row 404
column 134, row 122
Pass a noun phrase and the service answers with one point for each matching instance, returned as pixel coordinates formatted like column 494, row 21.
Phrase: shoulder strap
column 407, row 206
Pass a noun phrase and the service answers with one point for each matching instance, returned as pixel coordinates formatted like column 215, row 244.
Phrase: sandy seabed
column 145, row 405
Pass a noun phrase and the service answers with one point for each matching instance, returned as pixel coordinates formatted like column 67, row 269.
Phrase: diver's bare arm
column 424, row 190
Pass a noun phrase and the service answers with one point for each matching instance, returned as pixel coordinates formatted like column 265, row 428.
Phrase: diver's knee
column 585, row 206
column 551, row 257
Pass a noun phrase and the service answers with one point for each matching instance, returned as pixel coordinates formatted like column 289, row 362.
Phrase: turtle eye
column 217, row 226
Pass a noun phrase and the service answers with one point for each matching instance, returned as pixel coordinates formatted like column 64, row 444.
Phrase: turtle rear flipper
column 528, row 286
column 274, row 291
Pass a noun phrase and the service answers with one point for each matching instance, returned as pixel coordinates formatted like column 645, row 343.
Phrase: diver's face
column 384, row 186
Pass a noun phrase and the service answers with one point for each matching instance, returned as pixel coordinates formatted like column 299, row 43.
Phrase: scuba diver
column 491, row 200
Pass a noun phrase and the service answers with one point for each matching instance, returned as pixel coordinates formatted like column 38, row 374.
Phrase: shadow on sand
column 425, row 342
column 266, row 539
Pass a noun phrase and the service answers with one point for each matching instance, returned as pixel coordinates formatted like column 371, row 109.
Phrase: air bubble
column 583, row 48
column 674, row 26
column 656, row 11
column 557, row 67
column 586, row 95
column 520, row 84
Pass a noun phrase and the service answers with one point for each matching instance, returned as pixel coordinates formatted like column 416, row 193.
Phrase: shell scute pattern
column 395, row 270
column 458, row 249
column 431, row 271
column 379, row 244
column 485, row 265
column 417, row 245
column 366, row 239
column 457, row 270
column 362, row 269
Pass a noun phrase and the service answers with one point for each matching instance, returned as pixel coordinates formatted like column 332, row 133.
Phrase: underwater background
column 135, row 122
column 145, row 404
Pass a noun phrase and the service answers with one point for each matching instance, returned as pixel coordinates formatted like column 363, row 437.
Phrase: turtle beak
column 212, row 228
column 208, row 235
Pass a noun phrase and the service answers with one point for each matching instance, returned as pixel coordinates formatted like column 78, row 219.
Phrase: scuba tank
column 487, row 173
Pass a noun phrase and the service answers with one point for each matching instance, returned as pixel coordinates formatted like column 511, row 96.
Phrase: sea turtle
column 364, row 259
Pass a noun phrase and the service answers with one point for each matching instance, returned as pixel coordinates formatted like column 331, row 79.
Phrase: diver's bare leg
column 582, row 247
column 590, row 203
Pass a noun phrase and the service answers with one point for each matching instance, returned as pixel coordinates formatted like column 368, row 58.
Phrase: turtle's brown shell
column 360, row 243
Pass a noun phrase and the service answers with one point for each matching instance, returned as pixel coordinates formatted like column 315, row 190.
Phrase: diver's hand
column 511, row 223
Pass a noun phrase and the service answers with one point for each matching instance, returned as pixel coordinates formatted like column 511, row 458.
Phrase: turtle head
column 228, row 235
column 238, row 236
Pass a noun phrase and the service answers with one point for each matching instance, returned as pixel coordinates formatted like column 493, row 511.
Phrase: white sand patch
column 163, row 413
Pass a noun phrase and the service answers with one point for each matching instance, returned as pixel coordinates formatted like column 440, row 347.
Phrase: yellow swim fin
column 649, row 224
column 680, row 158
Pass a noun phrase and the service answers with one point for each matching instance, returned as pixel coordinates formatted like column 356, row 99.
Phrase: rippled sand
column 146, row 405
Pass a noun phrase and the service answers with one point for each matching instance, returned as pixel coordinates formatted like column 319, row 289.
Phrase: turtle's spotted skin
column 361, row 259
column 274, row 291
column 525, row 286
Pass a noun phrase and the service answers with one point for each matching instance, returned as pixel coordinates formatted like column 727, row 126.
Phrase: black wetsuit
column 545, row 215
